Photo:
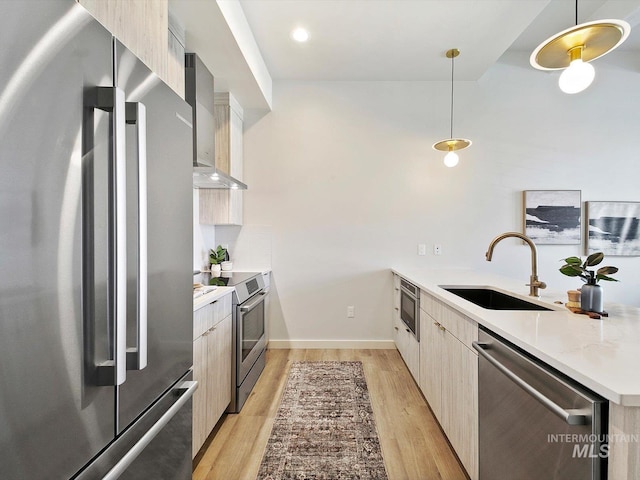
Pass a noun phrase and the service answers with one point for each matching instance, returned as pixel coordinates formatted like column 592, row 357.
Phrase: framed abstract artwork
column 613, row 228
column 553, row 217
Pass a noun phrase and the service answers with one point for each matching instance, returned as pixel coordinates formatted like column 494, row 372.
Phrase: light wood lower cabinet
column 211, row 367
column 405, row 341
column 219, row 371
column 431, row 344
column 200, row 368
column 460, row 401
column 449, row 376
column 408, row 347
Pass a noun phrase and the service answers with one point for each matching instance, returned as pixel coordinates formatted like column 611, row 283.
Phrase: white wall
column 204, row 236
column 345, row 174
column 249, row 246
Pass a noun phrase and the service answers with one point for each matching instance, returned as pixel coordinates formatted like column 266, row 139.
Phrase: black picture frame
column 553, row 217
column 613, row 228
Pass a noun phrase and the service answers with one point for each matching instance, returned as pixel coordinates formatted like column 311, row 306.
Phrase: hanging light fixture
column 574, row 47
column 450, row 145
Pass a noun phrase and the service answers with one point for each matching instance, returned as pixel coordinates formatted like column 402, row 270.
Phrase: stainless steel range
column 249, row 340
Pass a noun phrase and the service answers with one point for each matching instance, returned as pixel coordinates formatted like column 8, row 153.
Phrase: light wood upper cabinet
column 229, row 124
column 220, row 207
column 175, row 58
column 217, row 206
column 143, row 27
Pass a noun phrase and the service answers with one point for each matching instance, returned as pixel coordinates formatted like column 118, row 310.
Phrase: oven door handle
column 409, row 293
column 572, row 417
column 252, row 305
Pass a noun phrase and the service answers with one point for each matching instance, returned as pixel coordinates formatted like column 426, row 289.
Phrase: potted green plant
column 216, row 257
column 591, row 293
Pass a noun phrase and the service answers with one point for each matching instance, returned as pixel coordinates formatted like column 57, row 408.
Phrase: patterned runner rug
column 324, row 428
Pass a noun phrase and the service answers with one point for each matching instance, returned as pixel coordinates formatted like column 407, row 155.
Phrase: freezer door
column 157, row 446
column 159, row 236
column 53, row 416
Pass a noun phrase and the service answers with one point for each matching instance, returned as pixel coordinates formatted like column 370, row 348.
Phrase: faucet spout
column 534, row 284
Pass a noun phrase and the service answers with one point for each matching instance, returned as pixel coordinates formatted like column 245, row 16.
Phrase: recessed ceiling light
column 300, row 35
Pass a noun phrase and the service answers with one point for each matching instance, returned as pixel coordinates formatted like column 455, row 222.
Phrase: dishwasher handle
column 572, row 417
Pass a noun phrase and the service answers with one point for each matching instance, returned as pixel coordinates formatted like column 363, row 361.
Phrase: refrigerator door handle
column 137, row 356
column 185, row 391
column 113, row 371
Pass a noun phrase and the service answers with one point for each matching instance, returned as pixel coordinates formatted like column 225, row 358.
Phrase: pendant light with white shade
column 450, row 145
column 573, row 49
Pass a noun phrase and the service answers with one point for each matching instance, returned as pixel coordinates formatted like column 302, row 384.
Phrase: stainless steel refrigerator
column 95, row 254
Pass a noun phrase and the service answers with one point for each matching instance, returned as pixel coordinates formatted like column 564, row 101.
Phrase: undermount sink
column 486, row 297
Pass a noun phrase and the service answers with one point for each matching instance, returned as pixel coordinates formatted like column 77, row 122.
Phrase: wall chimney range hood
column 199, row 94
column 211, row 177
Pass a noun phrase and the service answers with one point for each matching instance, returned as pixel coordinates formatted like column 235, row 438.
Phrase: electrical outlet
column 422, row 249
column 437, row 249
column 351, row 311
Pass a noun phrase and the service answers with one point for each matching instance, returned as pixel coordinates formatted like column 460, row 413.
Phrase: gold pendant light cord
column 451, row 123
column 452, row 144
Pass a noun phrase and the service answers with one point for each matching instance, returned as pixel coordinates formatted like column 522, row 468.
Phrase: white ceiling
column 381, row 39
column 386, row 39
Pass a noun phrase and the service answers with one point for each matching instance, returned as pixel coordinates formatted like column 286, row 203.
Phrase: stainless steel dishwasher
column 533, row 422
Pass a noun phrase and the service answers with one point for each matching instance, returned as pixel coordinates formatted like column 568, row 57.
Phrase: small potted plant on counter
column 216, row 257
column 591, row 293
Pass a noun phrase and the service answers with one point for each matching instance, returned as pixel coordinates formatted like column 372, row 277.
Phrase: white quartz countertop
column 212, row 296
column 220, row 291
column 603, row 355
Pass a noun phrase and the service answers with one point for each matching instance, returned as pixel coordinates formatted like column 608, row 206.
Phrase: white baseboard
column 333, row 344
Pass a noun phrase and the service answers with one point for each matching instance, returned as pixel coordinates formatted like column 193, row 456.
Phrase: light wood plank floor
column 413, row 446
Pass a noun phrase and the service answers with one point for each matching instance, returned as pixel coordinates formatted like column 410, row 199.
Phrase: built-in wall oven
column 410, row 307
